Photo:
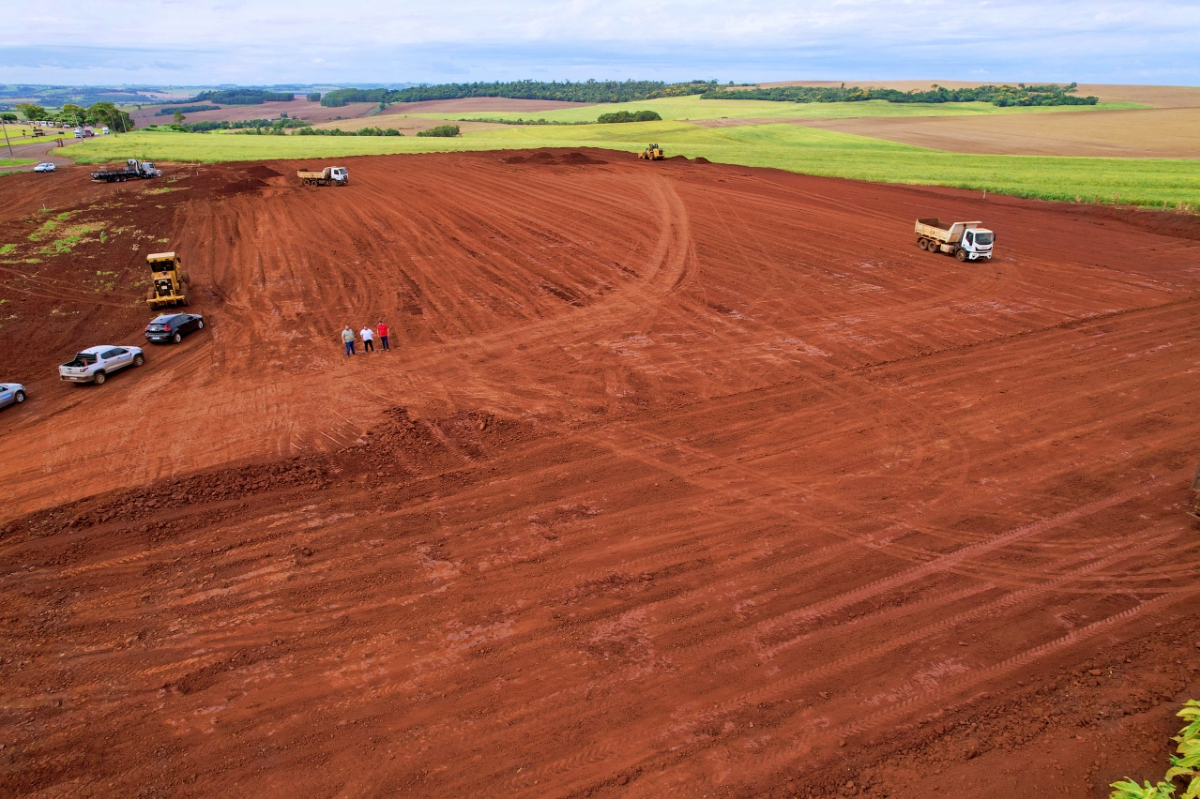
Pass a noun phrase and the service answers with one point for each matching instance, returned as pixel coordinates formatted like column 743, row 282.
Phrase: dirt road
column 681, row 480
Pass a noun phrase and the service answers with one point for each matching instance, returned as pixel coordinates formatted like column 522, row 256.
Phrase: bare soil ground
column 682, row 479
column 300, row 109
column 1151, row 133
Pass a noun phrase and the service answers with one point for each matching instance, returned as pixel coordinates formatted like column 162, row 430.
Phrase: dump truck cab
column 168, row 280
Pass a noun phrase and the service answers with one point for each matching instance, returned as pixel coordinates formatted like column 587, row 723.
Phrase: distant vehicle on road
column 173, row 327
column 11, row 394
column 44, row 167
column 95, row 364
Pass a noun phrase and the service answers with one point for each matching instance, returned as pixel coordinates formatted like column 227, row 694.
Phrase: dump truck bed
column 945, row 232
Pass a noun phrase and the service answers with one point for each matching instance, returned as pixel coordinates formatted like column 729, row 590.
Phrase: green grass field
column 16, row 161
column 1147, row 182
column 678, row 108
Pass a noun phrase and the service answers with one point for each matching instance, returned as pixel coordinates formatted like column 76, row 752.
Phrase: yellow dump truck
column 169, row 285
column 966, row 241
column 329, row 176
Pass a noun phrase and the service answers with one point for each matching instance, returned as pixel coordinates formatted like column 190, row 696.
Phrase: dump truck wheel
column 138, row 360
column 924, row 245
column 961, row 255
column 99, row 378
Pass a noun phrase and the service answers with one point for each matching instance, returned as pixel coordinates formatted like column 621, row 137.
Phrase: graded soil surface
column 680, row 480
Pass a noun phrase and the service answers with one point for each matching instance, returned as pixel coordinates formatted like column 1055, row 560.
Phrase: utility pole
column 4, row 124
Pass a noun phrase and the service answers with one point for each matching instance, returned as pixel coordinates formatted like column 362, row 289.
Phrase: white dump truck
column 966, row 241
column 329, row 176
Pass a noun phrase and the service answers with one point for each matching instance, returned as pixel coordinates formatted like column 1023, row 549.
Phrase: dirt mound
column 658, row 492
column 701, row 160
column 261, row 172
column 548, row 158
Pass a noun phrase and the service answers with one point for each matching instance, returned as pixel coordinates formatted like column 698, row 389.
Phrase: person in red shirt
column 382, row 329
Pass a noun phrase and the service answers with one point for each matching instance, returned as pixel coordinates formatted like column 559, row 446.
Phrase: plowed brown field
column 680, row 480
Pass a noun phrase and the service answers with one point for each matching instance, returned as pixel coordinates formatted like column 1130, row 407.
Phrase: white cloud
column 277, row 40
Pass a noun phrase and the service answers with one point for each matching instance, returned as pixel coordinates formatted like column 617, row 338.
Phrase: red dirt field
column 681, row 480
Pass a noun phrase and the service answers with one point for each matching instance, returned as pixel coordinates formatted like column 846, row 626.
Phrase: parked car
column 11, row 394
column 44, row 167
column 95, row 364
column 173, row 327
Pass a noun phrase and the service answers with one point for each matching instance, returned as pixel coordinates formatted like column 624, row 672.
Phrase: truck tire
column 183, row 275
column 150, row 297
column 139, row 359
column 961, row 255
column 924, row 245
column 99, row 378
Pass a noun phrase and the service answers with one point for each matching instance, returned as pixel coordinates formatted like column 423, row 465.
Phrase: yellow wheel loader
column 170, row 281
column 652, row 153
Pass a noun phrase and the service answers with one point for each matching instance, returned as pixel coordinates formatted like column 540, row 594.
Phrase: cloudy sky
column 188, row 42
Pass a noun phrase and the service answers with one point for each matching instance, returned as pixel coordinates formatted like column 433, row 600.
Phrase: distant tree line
column 102, row 113
column 440, row 132
column 1005, row 95
column 340, row 97
column 312, row 97
column 240, row 97
column 627, row 116
column 185, row 109
column 592, row 91
column 360, row 132
column 245, row 124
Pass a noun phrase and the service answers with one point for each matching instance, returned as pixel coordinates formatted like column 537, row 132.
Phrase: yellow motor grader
column 170, row 282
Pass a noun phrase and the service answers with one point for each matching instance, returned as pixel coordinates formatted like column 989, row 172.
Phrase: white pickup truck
column 95, row 364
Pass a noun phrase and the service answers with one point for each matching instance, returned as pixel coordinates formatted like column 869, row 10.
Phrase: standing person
column 382, row 329
column 368, row 339
column 348, row 340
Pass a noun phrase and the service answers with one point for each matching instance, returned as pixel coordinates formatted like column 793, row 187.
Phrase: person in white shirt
column 368, row 338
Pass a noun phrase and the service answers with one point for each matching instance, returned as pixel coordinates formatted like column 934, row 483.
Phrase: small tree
column 31, row 111
column 73, row 114
column 313, row 97
column 179, row 117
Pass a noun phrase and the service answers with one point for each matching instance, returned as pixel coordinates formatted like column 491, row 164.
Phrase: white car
column 44, row 167
column 11, row 394
column 95, row 364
